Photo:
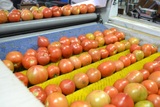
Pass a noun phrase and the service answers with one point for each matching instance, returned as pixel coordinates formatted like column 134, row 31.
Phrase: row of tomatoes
column 81, row 80
column 35, row 12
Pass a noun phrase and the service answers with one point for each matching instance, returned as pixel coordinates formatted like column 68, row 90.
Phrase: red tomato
column 81, row 37
column 47, row 13
column 43, row 58
column 126, row 61
column 133, row 40
column 3, row 16
column 135, row 76
column 122, row 100
column 114, row 30
column 120, row 84
column 132, row 57
column 81, row 80
column 86, row 45
column 155, row 99
column 15, row 57
column 98, row 98
column 154, row 49
column 147, row 49
column 119, row 35
column 83, row 8
column 23, row 78
column 56, row 100
column 75, row 61
column 155, row 76
column 74, row 40
column 9, row 64
column 112, row 49
column 150, row 66
column 43, row 41
column 85, row 59
column 65, row 66
column 98, row 33
column 39, row 93
column 56, row 12
column 67, row 86
column 55, row 54
column 30, row 52
column 64, row 40
column 119, row 65
column 67, row 51
column 151, row 86
column 134, row 47
column 110, row 39
column 145, row 73
column 14, row 17
column 29, row 61
column 107, row 68
column 53, row 71
column 94, row 44
column 109, row 105
column 104, row 53
column 120, row 46
column 77, row 48
column 54, row 44
column 107, row 32
column 43, row 49
column 111, row 91
column 80, row 104
column 91, row 8
column 95, row 54
column 37, row 74
column 37, row 14
column 52, row 88
column 93, row 74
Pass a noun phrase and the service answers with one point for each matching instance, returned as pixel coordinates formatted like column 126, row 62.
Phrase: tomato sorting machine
column 21, row 36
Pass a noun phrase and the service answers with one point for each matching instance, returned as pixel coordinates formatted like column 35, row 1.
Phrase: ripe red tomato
column 107, row 32
column 114, row 30
column 119, row 65
column 120, row 46
column 30, row 52
column 126, row 61
column 155, row 76
column 145, row 73
column 110, row 39
column 93, row 74
column 14, row 17
column 23, row 78
column 107, row 68
column 54, row 44
column 81, row 37
column 65, row 66
column 111, row 91
column 81, row 80
column 94, row 44
column 52, row 88
column 37, row 14
column 98, row 33
column 55, row 54
column 9, row 64
column 83, row 8
column 132, row 57
column 122, row 100
column 98, row 98
column 135, row 76
column 134, row 47
column 85, row 59
column 67, row 51
column 74, row 40
column 47, row 13
column 77, row 48
column 75, row 61
column 155, row 99
column 56, row 11
column 147, row 49
column 80, row 104
column 43, row 41
column 67, row 86
column 39, row 93
column 53, row 71
column 112, row 49
column 95, row 54
column 86, row 45
column 109, row 105
column 90, row 8
column 64, row 40
column 120, row 84
column 37, row 74
column 15, row 57
column 56, row 100
column 43, row 49
column 151, row 86
column 119, row 35
column 104, row 53
column 154, row 49
column 43, row 58
column 29, row 61
column 150, row 66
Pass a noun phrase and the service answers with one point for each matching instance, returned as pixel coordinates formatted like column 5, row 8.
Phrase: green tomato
column 144, row 103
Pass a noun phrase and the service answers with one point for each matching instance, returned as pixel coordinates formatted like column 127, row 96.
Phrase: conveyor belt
column 23, row 27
